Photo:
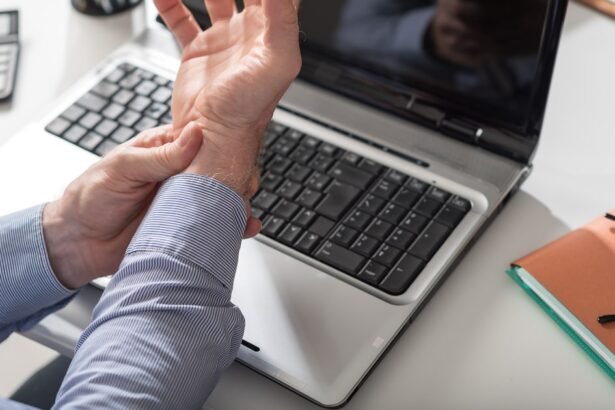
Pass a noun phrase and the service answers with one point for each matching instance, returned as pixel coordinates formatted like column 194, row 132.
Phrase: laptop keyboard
column 348, row 212
column 128, row 101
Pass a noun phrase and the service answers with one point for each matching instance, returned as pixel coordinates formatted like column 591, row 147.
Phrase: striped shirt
column 165, row 328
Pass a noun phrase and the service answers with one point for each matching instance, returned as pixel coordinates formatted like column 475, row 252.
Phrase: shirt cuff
column 28, row 284
column 197, row 219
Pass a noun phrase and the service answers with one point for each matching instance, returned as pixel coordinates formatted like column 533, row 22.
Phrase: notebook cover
column 577, row 274
column 605, row 6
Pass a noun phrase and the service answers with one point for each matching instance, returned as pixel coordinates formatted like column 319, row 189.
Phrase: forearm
column 165, row 328
column 29, row 289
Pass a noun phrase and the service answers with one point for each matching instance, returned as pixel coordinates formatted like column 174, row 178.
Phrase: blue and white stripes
column 29, row 290
column 165, row 328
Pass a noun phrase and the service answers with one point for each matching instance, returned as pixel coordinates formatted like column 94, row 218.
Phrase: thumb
column 165, row 161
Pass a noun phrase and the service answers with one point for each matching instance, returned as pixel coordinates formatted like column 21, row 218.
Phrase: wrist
column 62, row 243
column 229, row 156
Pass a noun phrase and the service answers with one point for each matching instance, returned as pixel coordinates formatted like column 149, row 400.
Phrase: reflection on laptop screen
column 481, row 52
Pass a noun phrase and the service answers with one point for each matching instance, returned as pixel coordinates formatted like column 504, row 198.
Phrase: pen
column 606, row 319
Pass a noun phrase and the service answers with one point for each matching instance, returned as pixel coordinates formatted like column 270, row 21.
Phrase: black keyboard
column 348, row 212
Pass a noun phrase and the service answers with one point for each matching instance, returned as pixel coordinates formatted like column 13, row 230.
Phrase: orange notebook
column 573, row 279
column 605, row 6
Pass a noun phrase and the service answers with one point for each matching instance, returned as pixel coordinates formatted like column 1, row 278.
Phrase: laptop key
column 406, row 198
column 145, row 123
column 321, row 163
column 400, row 278
column 387, row 255
column 372, row 204
column 106, row 127
column 140, row 103
column 308, row 242
column 90, row 120
column 279, row 165
column 340, row 258
column 286, row 210
column 428, row 207
column 74, row 133
column 304, row 218
column 106, row 147
column 90, row 141
column 370, row 166
column 351, row 175
column 129, row 118
column 309, row 198
column 438, row 194
column 415, row 223
column 310, row 142
column 418, row 186
column 265, row 200
column 401, row 239
column 289, row 190
column 393, row 213
column 156, row 110
column 122, row 134
column 429, row 241
column 92, row 102
column 366, row 246
column 105, row 89
column 162, row 95
column 379, row 229
column 146, row 88
column 302, row 155
column 298, row 173
column 385, row 189
column 273, row 226
column 344, row 236
column 113, row 111
column 395, row 177
column 359, row 220
column 290, row 235
column 130, row 81
column 73, row 113
column 461, row 204
column 373, row 273
column 322, row 226
column 58, row 126
column 271, row 181
column 123, row 97
column 450, row 216
column 318, row 181
column 339, row 198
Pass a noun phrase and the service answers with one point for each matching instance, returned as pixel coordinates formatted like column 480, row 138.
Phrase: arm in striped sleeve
column 165, row 328
column 29, row 290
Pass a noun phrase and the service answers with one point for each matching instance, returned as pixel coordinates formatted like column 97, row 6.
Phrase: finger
column 179, row 20
column 282, row 32
column 253, row 228
column 160, row 163
column 220, row 9
column 248, row 3
column 153, row 137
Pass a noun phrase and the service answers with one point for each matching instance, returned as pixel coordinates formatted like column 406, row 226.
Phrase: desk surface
column 480, row 342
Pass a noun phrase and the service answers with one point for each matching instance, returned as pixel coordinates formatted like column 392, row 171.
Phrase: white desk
column 481, row 343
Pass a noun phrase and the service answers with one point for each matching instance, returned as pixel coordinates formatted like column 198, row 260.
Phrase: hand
column 230, row 80
column 89, row 228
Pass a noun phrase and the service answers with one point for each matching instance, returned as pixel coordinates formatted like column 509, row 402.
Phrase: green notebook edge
column 513, row 272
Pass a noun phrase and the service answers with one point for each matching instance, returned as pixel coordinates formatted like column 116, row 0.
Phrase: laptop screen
column 480, row 56
column 483, row 60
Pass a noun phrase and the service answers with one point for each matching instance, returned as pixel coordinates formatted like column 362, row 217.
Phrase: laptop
column 410, row 126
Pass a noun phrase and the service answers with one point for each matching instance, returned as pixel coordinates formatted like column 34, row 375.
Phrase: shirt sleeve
column 165, row 328
column 29, row 289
